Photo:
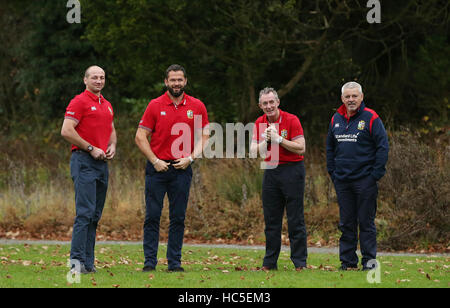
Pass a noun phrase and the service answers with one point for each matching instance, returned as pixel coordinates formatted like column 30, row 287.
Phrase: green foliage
column 53, row 55
column 431, row 79
column 230, row 49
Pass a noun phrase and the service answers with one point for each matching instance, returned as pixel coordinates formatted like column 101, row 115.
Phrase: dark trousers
column 176, row 184
column 90, row 178
column 357, row 207
column 283, row 187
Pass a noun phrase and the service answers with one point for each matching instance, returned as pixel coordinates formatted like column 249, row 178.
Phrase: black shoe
column 269, row 268
column 91, row 270
column 367, row 268
column 344, row 267
column 176, row 269
column 148, row 269
column 79, row 270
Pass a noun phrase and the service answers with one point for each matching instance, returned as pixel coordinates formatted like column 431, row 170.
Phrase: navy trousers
column 176, row 183
column 357, row 208
column 90, row 178
column 283, row 188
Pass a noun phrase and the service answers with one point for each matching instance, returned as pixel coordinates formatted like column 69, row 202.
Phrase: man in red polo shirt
column 176, row 124
column 88, row 126
column 278, row 135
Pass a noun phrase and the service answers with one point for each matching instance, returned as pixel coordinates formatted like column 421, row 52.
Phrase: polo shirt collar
column 280, row 118
column 170, row 102
column 93, row 96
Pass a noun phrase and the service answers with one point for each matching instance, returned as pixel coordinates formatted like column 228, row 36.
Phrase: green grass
column 120, row 266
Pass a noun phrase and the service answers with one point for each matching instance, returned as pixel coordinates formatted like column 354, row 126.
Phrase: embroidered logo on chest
column 361, row 125
column 284, row 133
column 190, row 114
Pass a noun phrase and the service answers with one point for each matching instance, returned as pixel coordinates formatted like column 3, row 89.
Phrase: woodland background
column 231, row 49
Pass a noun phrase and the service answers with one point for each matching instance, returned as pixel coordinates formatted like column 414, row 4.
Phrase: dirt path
column 321, row 250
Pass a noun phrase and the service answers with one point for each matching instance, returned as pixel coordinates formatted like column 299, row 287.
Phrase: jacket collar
column 343, row 111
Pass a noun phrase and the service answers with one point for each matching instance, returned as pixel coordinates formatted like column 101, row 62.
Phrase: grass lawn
column 119, row 266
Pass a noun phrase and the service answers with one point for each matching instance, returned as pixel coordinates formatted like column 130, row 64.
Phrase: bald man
column 88, row 126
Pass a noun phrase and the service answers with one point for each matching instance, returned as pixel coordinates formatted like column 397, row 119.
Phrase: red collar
column 93, row 96
column 169, row 101
column 343, row 110
column 280, row 118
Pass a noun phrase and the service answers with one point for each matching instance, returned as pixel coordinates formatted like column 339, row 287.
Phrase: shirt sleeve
column 296, row 128
column 148, row 120
column 74, row 111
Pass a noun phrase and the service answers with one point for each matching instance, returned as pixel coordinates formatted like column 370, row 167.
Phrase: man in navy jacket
column 357, row 153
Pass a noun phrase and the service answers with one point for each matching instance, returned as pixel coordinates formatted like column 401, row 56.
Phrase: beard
column 176, row 93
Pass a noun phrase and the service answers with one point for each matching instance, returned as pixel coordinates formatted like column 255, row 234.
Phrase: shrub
column 416, row 190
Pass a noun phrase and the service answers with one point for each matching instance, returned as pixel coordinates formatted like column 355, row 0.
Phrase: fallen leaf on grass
column 26, row 263
column 116, row 285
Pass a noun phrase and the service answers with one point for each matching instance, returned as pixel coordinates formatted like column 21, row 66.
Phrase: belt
column 172, row 162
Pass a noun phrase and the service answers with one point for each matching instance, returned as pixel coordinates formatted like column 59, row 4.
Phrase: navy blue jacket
column 357, row 146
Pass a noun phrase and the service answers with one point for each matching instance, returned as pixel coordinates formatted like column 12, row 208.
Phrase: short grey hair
column 352, row 85
column 268, row 90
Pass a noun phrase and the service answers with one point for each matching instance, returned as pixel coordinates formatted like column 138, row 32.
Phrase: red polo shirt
column 173, row 127
column 289, row 127
column 94, row 116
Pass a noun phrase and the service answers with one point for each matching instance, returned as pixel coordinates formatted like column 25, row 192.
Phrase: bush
column 416, row 190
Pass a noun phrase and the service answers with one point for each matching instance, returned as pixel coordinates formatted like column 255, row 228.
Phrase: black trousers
column 175, row 183
column 357, row 208
column 283, row 187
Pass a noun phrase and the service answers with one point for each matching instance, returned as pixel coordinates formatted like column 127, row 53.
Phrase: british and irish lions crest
column 361, row 125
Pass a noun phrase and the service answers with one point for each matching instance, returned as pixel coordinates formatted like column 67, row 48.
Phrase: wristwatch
column 90, row 148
